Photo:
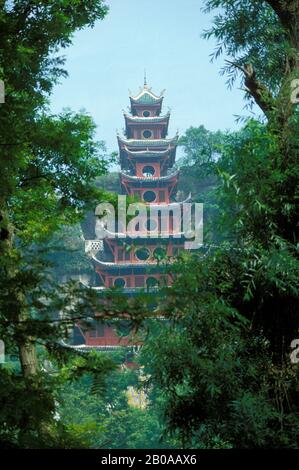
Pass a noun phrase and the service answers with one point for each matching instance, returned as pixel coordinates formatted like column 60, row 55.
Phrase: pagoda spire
column 145, row 80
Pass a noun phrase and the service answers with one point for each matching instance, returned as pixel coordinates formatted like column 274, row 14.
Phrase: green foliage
column 32, row 34
column 109, row 182
column 106, row 420
column 220, row 387
column 198, row 174
column 48, row 165
column 249, row 32
column 61, row 167
column 230, row 382
column 66, row 253
column 259, row 186
column 201, row 149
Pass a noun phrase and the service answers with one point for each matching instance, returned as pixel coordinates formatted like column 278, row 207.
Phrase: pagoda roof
column 147, row 153
column 151, row 179
column 127, row 290
column 146, row 96
column 125, row 264
column 147, row 120
column 138, row 266
column 87, row 347
column 148, row 143
column 171, row 205
column 176, row 238
column 83, row 347
column 120, row 238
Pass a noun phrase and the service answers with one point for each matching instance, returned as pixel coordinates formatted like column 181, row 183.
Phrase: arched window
column 148, row 171
column 119, row 282
column 149, row 196
column 142, row 254
column 147, row 134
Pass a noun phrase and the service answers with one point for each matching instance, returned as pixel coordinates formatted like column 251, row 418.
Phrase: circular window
column 149, row 196
column 119, row 282
column 147, row 134
column 152, row 282
column 148, row 171
column 142, row 254
column 159, row 253
column 146, row 113
column 151, row 225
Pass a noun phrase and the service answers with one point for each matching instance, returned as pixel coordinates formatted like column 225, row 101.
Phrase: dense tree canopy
column 47, row 169
column 237, row 386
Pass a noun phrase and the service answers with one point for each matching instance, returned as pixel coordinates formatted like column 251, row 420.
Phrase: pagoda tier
column 147, row 143
column 133, row 151
column 146, row 103
column 149, row 179
column 141, row 277
column 156, row 126
column 102, row 337
column 135, row 160
column 123, row 251
column 120, row 260
column 150, row 189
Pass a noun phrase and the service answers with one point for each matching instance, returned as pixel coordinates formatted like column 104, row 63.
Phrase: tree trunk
column 28, row 358
column 27, row 351
column 288, row 13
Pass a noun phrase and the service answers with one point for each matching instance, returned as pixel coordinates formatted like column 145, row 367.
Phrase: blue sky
column 163, row 37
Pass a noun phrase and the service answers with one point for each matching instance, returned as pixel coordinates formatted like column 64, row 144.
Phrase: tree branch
column 259, row 92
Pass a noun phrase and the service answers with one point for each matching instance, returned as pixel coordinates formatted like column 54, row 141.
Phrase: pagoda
column 146, row 156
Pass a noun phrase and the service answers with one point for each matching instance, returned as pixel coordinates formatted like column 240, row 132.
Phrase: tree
column 223, row 387
column 201, row 149
column 198, row 172
column 260, row 165
column 48, row 166
column 105, row 415
column 230, row 382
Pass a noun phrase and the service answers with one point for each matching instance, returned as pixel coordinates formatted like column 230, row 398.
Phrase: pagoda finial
column 145, row 80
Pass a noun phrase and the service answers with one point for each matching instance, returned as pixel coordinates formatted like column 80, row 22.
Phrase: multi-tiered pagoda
column 146, row 157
